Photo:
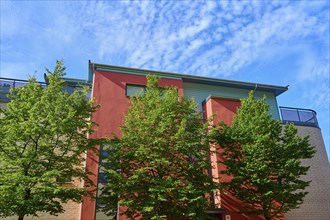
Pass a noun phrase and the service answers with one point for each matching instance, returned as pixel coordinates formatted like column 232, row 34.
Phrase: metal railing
column 299, row 116
column 7, row 83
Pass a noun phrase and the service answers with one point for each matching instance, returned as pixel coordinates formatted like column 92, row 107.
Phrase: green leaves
column 264, row 159
column 43, row 133
column 158, row 166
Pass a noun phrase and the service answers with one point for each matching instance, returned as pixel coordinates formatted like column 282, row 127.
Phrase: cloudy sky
column 280, row 42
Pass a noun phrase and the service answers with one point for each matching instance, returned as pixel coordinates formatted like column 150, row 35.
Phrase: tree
column 264, row 160
column 43, row 134
column 158, row 168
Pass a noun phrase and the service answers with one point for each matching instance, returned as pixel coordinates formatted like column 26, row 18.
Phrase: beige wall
column 316, row 204
column 72, row 212
column 2, row 104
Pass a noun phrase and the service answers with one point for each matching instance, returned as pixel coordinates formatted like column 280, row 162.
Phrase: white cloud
column 157, row 35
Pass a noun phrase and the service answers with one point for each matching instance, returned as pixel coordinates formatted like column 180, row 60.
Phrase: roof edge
column 277, row 90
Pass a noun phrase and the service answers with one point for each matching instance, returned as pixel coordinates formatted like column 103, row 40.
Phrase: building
column 112, row 86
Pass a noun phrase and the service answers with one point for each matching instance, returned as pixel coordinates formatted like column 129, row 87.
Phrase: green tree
column 43, row 136
column 264, row 160
column 158, row 168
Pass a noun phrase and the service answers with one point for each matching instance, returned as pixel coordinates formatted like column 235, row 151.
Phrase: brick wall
column 316, row 204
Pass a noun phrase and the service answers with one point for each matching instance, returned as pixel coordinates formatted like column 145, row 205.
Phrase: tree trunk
column 21, row 217
column 267, row 217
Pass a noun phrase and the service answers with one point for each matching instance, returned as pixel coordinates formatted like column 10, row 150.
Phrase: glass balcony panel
column 289, row 115
column 19, row 84
column 299, row 116
column 5, row 85
column 305, row 116
column 4, row 89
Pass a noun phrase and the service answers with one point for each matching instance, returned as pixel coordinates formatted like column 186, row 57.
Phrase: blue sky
column 279, row 42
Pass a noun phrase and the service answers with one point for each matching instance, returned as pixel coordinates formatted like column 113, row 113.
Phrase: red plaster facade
column 109, row 91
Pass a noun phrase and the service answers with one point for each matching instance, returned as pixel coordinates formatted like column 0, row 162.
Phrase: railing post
column 298, row 115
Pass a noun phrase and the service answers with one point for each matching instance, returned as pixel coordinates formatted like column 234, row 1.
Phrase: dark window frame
column 144, row 87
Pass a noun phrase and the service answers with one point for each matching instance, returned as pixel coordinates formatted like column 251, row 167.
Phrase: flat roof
column 277, row 90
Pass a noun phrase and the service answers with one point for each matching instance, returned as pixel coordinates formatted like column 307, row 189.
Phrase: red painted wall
column 109, row 92
column 225, row 110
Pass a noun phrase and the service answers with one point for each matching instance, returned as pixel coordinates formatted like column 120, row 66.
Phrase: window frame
column 144, row 87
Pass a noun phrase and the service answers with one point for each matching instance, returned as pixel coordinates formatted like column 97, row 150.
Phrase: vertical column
column 208, row 112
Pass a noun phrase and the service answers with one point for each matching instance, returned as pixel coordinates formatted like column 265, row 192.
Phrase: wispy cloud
column 225, row 36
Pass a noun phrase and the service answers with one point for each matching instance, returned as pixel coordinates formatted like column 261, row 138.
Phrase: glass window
column 104, row 209
column 133, row 90
column 102, row 178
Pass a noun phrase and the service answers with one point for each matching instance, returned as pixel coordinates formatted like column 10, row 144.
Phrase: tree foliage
column 264, row 160
column 43, row 134
column 158, row 168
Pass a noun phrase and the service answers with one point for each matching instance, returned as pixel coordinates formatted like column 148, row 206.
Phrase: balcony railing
column 6, row 83
column 299, row 116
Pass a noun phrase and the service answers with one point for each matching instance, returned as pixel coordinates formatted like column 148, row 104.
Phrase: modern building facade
column 112, row 86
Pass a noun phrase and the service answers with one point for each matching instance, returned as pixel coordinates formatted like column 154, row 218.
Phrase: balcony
column 6, row 83
column 299, row 116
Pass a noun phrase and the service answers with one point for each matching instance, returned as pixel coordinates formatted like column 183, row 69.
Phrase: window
column 133, row 90
column 102, row 178
column 104, row 209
